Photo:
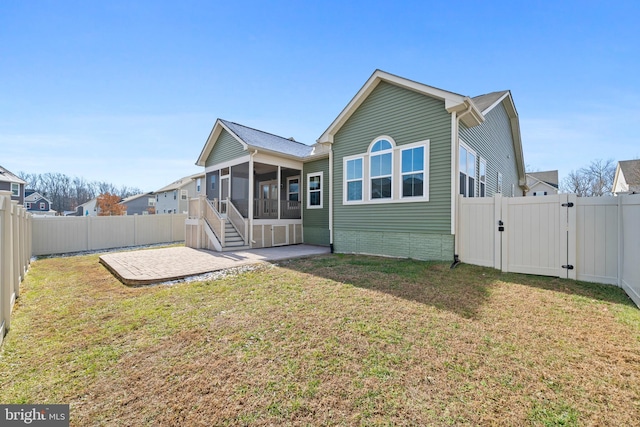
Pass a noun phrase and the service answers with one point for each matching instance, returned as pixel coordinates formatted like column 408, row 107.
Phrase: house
column 542, row 183
column 37, row 204
column 140, row 204
column 627, row 177
column 11, row 182
column 383, row 179
column 89, row 208
column 174, row 198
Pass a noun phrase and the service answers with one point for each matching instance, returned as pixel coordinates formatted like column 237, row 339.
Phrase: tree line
column 596, row 179
column 66, row 193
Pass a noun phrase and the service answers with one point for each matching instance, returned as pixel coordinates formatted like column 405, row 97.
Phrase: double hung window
column 413, row 172
column 387, row 173
column 483, row 177
column 314, row 190
column 467, row 171
column 354, row 174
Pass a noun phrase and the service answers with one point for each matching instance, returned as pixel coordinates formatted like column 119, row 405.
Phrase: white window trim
column 480, row 181
column 396, row 189
column 184, row 194
column 27, row 205
column 43, row 205
column 16, row 192
column 381, row 153
column 475, row 170
column 424, row 172
column 499, row 184
column 291, row 178
column 345, row 187
column 309, row 176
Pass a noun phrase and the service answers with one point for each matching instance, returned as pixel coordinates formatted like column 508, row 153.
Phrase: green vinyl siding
column 226, row 148
column 316, row 221
column 407, row 117
column 493, row 141
column 420, row 246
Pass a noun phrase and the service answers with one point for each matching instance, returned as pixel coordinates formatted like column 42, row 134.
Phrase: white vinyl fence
column 59, row 235
column 15, row 254
column 595, row 239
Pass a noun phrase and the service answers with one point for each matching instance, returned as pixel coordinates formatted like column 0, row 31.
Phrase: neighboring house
column 542, row 183
column 89, row 208
column 627, row 178
column 11, row 182
column 174, row 198
column 383, row 179
column 140, row 204
column 37, row 204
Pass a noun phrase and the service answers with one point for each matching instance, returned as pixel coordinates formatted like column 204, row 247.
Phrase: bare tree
column 67, row 193
column 593, row 180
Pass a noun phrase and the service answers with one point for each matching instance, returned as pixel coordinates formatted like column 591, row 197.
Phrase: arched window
column 381, row 168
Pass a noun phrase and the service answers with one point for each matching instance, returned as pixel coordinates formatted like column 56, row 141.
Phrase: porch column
column 251, row 195
column 279, row 189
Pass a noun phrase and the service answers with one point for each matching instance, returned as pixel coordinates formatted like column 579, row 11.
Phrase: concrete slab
column 161, row 265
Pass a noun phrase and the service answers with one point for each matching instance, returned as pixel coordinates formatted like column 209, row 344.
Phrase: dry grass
column 336, row 340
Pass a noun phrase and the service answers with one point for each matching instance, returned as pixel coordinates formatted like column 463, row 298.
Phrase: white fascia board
column 211, row 141
column 276, row 159
column 492, row 106
column 619, row 176
column 450, row 99
column 467, row 111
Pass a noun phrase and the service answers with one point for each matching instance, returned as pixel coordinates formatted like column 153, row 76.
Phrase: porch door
column 224, row 194
column 268, row 199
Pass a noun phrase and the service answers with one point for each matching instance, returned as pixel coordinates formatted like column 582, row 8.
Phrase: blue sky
column 128, row 91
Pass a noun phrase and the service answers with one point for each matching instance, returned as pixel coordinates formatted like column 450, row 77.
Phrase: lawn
column 334, row 340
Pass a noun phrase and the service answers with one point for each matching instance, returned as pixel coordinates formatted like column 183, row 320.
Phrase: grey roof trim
column 263, row 140
column 255, row 139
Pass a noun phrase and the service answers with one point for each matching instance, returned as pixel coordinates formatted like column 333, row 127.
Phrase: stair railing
column 240, row 223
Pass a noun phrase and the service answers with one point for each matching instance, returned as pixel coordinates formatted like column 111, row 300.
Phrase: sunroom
column 254, row 190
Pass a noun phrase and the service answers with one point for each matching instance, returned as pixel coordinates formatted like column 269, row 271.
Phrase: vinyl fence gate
column 595, row 239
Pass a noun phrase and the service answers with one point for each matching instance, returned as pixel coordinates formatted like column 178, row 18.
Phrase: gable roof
column 176, row 185
column 7, row 176
column 486, row 102
column 548, row 177
column 452, row 101
column 471, row 110
column 135, row 197
column 631, row 171
column 254, row 139
column 34, row 197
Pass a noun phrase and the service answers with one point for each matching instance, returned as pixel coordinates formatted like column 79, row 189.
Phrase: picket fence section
column 595, row 239
column 60, row 235
column 15, row 255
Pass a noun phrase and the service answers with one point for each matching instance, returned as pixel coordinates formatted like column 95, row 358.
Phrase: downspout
column 456, row 181
column 251, row 187
column 331, row 197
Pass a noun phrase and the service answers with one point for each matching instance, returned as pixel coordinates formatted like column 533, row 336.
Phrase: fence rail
column 15, row 255
column 59, row 235
column 595, row 239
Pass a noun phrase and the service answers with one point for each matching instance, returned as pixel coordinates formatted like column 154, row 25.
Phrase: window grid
column 354, row 175
column 314, row 190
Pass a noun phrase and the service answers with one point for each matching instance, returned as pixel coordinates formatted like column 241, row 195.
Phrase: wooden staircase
column 233, row 241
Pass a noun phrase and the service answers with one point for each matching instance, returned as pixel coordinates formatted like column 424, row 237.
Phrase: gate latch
column 500, row 225
column 568, row 267
column 568, row 205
